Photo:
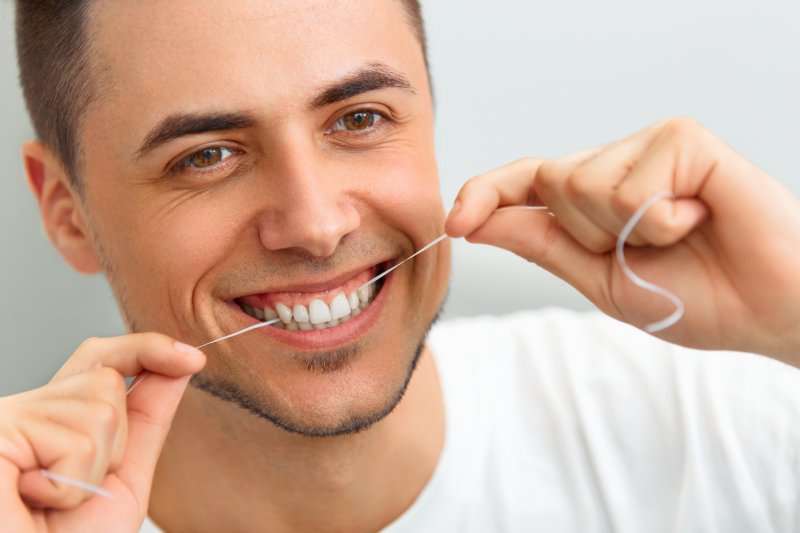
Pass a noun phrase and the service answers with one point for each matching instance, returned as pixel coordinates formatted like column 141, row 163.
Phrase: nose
column 310, row 211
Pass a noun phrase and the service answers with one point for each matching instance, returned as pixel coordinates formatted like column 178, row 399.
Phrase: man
column 222, row 165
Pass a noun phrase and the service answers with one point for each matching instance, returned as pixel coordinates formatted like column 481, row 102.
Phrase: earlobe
column 59, row 207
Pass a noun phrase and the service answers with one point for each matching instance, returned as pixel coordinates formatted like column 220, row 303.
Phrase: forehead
column 157, row 57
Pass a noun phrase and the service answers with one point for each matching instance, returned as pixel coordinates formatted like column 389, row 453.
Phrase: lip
column 317, row 286
column 329, row 338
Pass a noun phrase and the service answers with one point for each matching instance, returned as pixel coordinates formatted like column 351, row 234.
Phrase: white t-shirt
column 572, row 422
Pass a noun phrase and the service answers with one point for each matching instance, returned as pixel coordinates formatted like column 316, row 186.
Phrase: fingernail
column 456, row 207
column 185, row 348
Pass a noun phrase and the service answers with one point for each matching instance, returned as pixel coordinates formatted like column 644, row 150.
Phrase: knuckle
column 548, row 176
column 107, row 384
column 85, row 448
column 527, row 164
column 682, row 128
column 469, row 186
column 626, row 201
column 109, row 379
column 90, row 344
column 581, row 185
column 105, row 416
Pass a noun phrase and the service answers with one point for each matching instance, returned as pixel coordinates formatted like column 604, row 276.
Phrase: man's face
column 259, row 154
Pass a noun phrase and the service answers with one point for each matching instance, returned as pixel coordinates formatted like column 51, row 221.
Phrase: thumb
column 151, row 409
column 537, row 237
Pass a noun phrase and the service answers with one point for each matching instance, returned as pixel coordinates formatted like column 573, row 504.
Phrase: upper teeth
column 318, row 314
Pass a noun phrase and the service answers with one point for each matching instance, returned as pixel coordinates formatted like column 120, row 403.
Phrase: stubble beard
column 320, row 363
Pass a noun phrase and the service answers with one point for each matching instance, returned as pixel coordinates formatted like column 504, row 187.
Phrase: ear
column 59, row 206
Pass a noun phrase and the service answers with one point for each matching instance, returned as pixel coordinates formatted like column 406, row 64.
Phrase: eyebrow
column 179, row 125
column 370, row 78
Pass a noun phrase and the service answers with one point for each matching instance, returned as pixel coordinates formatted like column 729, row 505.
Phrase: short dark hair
column 53, row 55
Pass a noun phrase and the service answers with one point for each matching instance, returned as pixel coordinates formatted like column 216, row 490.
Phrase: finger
column 100, row 420
column 67, row 453
column 594, row 181
column 667, row 222
column 539, row 238
column 151, row 408
column 551, row 186
column 482, row 195
column 132, row 354
column 84, row 400
column 16, row 515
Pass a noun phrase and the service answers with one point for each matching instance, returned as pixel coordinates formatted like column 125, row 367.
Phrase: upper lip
column 327, row 284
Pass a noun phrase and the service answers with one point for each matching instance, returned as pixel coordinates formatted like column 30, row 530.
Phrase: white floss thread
column 672, row 319
column 631, row 275
column 77, row 483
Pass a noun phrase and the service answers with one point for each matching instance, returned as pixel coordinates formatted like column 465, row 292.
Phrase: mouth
column 317, row 307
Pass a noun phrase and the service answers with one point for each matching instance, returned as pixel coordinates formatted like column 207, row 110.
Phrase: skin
column 298, row 203
column 174, row 249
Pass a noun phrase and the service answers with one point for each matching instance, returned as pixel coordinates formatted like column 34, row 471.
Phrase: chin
column 337, row 370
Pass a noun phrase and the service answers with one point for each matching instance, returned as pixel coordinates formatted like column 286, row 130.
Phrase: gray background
column 512, row 78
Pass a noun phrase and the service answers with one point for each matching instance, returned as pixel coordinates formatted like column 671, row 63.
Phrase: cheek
column 173, row 246
column 193, row 239
column 405, row 192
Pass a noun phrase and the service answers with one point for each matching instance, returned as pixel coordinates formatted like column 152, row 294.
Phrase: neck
column 222, row 469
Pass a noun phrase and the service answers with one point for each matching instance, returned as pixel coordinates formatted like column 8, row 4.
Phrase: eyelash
column 184, row 164
column 382, row 121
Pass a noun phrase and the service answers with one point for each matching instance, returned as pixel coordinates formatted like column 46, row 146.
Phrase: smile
column 317, row 310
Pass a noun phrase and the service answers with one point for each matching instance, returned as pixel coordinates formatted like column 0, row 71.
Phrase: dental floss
column 245, row 330
column 436, row 241
column 672, row 319
column 77, row 483
column 431, row 244
column 630, row 274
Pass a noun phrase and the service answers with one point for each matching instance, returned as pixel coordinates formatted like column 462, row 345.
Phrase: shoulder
column 581, row 400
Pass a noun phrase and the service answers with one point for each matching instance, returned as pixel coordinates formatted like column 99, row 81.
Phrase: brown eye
column 206, row 158
column 357, row 121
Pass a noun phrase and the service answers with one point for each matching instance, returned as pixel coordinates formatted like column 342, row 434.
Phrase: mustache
column 297, row 263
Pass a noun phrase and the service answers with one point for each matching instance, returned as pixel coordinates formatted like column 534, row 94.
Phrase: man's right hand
column 83, row 426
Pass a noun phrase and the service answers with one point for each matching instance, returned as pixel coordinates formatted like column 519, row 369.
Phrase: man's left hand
column 728, row 244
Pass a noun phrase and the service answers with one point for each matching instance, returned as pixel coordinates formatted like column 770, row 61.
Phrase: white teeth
column 339, row 307
column 284, row 313
column 300, row 313
column 363, row 294
column 353, row 300
column 319, row 312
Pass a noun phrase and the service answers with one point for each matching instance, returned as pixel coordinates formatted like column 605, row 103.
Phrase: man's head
column 233, row 157
column 54, row 56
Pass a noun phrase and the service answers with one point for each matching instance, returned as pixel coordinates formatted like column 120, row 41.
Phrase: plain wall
column 512, row 78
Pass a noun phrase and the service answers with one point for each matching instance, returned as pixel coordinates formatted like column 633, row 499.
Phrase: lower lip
column 326, row 339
